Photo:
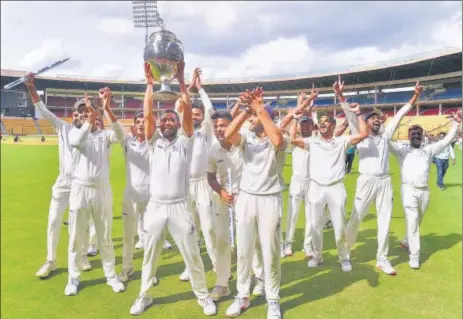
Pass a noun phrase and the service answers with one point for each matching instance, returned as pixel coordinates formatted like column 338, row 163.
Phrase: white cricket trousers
column 298, row 191
column 369, row 189
column 222, row 250
column 335, row 197
column 134, row 206
column 258, row 217
column 97, row 201
column 58, row 205
column 201, row 202
column 415, row 201
column 178, row 220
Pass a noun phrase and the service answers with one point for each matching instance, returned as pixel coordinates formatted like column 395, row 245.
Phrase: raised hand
column 418, row 88
column 338, row 86
column 30, row 80
column 457, row 117
column 198, row 73
column 354, row 108
column 88, row 105
column 180, row 75
column 105, row 96
column 313, row 93
column 257, row 98
column 148, row 75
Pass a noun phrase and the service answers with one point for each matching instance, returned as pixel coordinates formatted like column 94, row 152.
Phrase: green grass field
column 434, row 291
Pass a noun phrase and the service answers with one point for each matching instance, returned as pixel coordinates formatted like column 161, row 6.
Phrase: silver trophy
column 164, row 52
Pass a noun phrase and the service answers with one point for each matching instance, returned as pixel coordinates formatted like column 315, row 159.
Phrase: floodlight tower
column 146, row 15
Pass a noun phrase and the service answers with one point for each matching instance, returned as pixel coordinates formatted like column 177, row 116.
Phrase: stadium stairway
column 37, row 126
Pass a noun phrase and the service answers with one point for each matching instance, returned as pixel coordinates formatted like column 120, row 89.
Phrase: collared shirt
column 220, row 160
column 446, row 153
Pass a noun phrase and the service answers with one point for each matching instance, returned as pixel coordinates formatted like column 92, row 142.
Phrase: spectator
column 442, row 162
column 350, row 155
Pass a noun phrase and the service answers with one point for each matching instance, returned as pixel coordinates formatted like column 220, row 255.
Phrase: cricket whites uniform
column 91, row 194
column 374, row 183
column 61, row 189
column 327, row 161
column 414, row 167
column 299, row 191
column 169, row 208
column 258, row 216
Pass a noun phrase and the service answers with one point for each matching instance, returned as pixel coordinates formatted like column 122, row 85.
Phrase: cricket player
column 374, row 182
column 91, row 193
column 200, row 191
column 168, row 207
column 61, row 189
column 259, row 204
column 415, row 160
column 327, row 159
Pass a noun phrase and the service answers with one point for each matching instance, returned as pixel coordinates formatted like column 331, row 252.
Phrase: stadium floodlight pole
column 146, row 15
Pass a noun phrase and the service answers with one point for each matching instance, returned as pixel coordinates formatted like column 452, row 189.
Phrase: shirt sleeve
column 440, row 145
column 351, row 118
column 78, row 135
column 286, row 142
column 395, row 121
column 54, row 121
column 346, row 142
column 452, row 152
column 244, row 135
column 117, row 134
column 212, row 164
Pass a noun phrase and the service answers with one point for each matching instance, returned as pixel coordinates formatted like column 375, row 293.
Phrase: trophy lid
column 165, row 35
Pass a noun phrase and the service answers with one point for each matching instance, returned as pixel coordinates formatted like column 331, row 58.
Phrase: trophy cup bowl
column 164, row 52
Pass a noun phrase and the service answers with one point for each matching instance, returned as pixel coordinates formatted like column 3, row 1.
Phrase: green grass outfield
column 434, row 291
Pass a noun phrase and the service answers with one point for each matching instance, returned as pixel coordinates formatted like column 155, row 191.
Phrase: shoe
column 259, row 288
column 314, row 262
column 346, row 266
column 209, row 307
column 47, row 268
column 140, row 305
column 139, row 245
column 386, row 267
column 71, row 287
column 219, row 292
column 92, row 251
column 86, row 266
column 167, row 245
column 237, row 306
column 273, row 311
column 308, row 250
column 125, row 275
column 115, row 284
column 441, row 188
column 184, row 276
column 288, row 250
column 155, row 281
column 414, row 262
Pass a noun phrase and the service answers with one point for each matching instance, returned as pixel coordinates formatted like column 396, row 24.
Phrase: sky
column 228, row 40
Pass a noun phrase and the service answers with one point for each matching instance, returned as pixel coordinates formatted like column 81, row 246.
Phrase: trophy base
column 165, row 96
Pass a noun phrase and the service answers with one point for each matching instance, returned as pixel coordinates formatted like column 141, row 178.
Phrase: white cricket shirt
column 137, row 164
column 262, row 164
column 62, row 128
column 91, row 152
column 300, row 164
column 220, row 160
column 415, row 162
column 169, row 168
column 327, row 159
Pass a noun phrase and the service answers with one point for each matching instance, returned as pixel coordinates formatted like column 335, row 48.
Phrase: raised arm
column 339, row 131
column 351, row 118
column 148, row 117
column 78, row 136
column 232, row 133
column 119, row 134
column 395, row 121
column 363, row 133
column 437, row 147
column 236, row 108
column 295, row 140
column 187, row 121
column 303, row 104
column 55, row 121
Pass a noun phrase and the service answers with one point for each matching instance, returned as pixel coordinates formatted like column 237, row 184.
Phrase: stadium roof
column 430, row 67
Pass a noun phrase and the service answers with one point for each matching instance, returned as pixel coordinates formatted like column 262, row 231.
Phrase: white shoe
column 115, row 284
column 209, row 307
column 92, row 251
column 308, row 250
column 139, row 245
column 386, row 267
column 167, row 245
column 140, row 305
column 219, row 292
column 314, row 262
column 414, row 262
column 155, row 281
column 86, row 266
column 259, row 288
column 46, row 269
column 125, row 275
column 71, row 287
column 288, row 250
column 346, row 266
column 184, row 276
column 237, row 306
column 273, row 311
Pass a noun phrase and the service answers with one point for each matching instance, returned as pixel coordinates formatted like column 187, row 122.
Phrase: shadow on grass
column 450, row 185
